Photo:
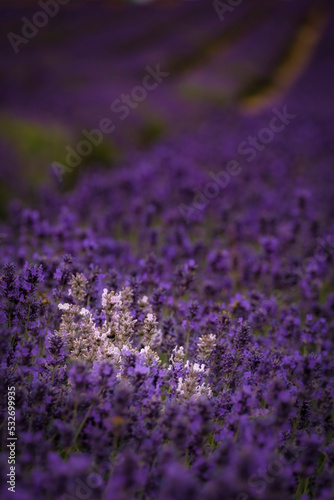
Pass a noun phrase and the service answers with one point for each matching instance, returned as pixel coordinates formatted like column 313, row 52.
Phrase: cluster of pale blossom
column 118, row 338
column 191, row 386
column 87, row 341
column 206, row 345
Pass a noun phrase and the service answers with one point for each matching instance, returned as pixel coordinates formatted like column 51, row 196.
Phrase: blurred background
column 61, row 71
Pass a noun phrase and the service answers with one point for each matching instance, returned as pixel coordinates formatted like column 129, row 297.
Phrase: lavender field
column 167, row 250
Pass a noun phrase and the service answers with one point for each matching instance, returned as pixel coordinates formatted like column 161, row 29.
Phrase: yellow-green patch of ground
column 37, row 145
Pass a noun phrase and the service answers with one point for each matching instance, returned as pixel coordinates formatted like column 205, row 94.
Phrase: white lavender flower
column 110, row 301
column 191, row 386
column 104, row 298
column 64, row 307
column 113, row 340
column 203, row 390
column 113, row 352
column 143, row 301
column 150, row 355
column 178, row 354
column 206, row 345
column 152, row 336
column 196, row 368
column 84, row 312
column 78, row 285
